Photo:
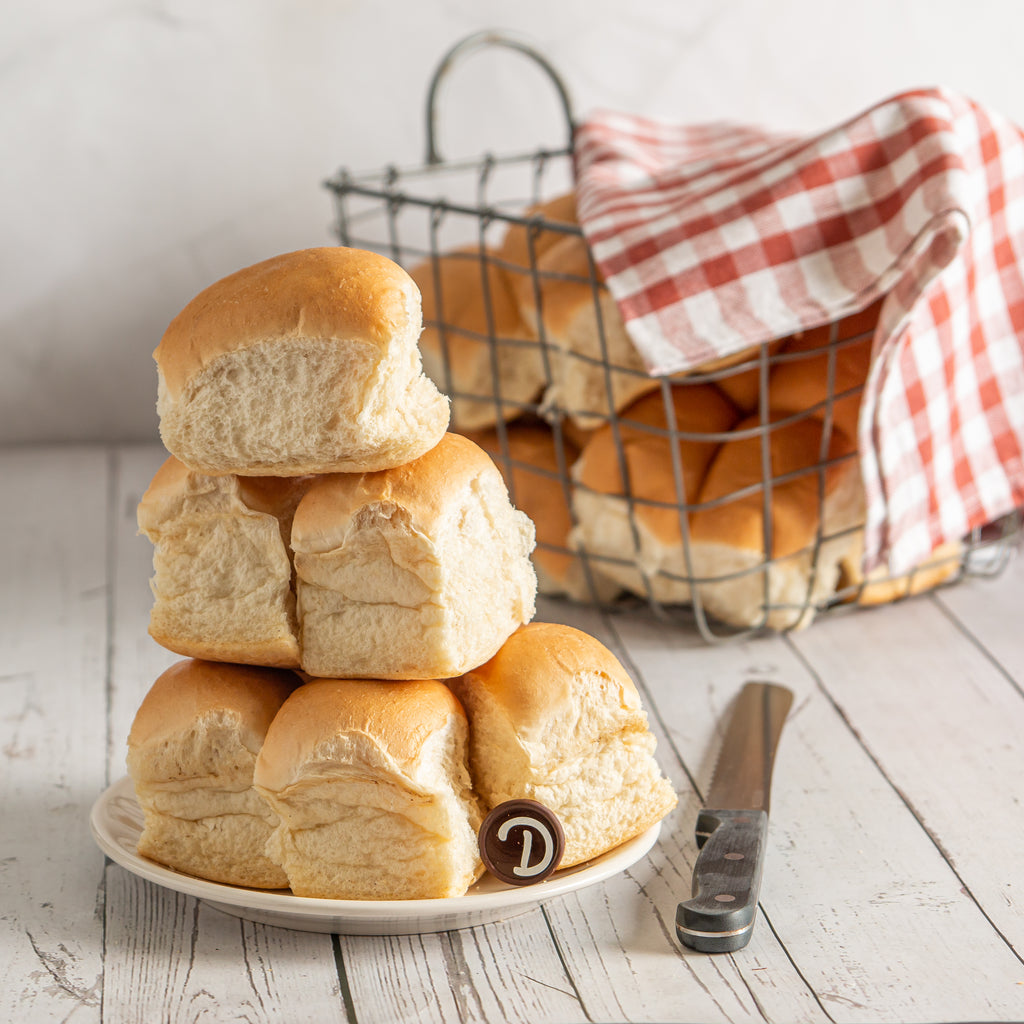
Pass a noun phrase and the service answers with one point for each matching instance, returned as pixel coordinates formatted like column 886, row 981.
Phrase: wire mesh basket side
column 728, row 498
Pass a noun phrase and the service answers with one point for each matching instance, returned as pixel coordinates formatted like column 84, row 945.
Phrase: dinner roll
column 222, row 574
column 191, row 753
column 418, row 572
column 880, row 587
column 304, row 363
column 570, row 309
column 544, row 225
column 475, row 344
column 370, row 783
column 555, row 718
column 824, row 370
column 632, row 529
column 535, row 462
column 738, row 376
column 814, row 502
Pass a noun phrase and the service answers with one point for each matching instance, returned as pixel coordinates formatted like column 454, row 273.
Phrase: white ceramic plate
column 116, row 823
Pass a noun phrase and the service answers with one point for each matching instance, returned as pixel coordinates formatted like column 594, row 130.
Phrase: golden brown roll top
column 424, row 486
column 633, row 528
column 824, row 370
column 569, row 308
column 769, row 553
column 394, row 722
column 173, row 735
column 561, row 688
column 330, row 293
column 304, row 363
column 416, row 572
column 555, row 718
column 371, row 785
column 535, row 462
column 546, row 225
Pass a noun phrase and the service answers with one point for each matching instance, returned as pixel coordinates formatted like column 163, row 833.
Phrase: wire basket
column 717, row 498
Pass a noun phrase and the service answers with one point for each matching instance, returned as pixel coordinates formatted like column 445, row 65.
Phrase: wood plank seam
column 933, row 838
column 651, row 704
column 577, row 994
column 970, row 635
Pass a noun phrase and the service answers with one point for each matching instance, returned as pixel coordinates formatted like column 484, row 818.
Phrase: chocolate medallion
column 521, row 842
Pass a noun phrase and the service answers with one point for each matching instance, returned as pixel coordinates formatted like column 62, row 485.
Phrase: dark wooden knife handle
column 726, row 881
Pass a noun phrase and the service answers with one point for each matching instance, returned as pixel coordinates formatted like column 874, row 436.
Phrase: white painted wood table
column 894, row 887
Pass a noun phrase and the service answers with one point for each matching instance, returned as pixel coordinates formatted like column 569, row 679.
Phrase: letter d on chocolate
column 511, row 836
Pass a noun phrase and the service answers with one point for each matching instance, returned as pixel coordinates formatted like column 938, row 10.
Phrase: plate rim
column 287, row 904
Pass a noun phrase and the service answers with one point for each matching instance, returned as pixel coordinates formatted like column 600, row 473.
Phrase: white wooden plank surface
column 892, row 890
column 630, row 957
column 170, row 957
column 990, row 611
column 946, row 726
column 508, row 971
column 53, row 635
column 862, row 899
column 534, row 989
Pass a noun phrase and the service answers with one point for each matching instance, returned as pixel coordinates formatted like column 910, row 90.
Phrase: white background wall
column 148, row 147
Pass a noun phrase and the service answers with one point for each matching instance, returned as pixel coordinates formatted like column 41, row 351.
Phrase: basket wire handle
column 478, row 41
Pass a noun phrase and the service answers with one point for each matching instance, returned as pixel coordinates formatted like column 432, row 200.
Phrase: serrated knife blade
column 733, row 827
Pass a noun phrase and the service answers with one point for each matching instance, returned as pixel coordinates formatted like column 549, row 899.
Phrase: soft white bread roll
column 371, row 786
column 191, row 753
column 475, row 344
column 569, row 308
column 418, row 572
column 775, row 570
column 632, row 529
column 535, row 462
column 304, row 363
column 222, row 574
column 555, row 718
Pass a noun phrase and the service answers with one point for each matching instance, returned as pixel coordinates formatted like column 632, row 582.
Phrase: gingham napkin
column 713, row 238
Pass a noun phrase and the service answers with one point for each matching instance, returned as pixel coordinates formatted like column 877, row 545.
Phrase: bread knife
column 733, row 827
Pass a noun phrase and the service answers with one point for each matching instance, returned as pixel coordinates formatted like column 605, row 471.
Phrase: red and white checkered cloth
column 713, row 238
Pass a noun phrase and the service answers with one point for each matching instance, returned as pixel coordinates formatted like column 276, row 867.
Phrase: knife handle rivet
column 724, row 897
column 733, row 856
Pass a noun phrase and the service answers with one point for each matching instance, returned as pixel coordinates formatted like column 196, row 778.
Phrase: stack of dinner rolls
column 735, row 488
column 329, row 558
column 315, row 512
column 363, row 788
